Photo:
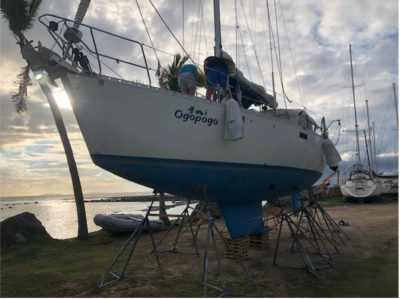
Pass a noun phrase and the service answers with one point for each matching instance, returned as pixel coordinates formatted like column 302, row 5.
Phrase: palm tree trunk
column 163, row 210
column 80, row 205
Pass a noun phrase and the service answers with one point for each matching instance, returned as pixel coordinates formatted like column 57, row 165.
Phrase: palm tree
column 20, row 15
column 168, row 77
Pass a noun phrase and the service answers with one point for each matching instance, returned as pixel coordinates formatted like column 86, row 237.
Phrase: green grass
column 338, row 201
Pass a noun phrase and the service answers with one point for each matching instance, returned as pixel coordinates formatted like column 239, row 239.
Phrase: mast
column 366, row 146
column 369, row 136
column 217, row 29
column 373, row 131
column 79, row 16
column 272, row 59
column 395, row 104
column 355, row 109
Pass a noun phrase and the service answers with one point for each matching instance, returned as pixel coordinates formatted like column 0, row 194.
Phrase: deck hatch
column 304, row 136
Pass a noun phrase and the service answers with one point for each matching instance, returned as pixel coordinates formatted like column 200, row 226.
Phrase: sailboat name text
column 196, row 118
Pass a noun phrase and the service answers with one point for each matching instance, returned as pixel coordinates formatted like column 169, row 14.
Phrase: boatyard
column 366, row 267
column 208, row 156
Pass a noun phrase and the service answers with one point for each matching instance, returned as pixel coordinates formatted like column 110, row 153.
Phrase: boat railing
column 92, row 47
column 358, row 167
column 67, row 46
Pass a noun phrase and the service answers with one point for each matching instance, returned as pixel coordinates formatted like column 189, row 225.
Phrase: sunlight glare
column 61, row 98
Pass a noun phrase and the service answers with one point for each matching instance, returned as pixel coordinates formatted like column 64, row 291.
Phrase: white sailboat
column 175, row 143
column 390, row 181
column 360, row 181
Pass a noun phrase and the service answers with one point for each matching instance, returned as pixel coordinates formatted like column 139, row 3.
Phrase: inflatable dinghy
column 124, row 222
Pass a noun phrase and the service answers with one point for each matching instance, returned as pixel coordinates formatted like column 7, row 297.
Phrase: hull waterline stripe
column 97, row 158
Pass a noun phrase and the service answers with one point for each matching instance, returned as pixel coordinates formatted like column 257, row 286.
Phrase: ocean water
column 58, row 214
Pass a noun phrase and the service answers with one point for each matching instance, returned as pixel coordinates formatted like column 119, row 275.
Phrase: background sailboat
column 360, row 181
column 390, row 181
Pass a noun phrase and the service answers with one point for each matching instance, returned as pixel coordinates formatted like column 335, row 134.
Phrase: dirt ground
column 367, row 265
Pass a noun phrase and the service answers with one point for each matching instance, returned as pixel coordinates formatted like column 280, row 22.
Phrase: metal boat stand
column 266, row 219
column 134, row 238
column 210, row 238
column 326, row 222
column 316, row 232
column 297, row 233
column 184, row 215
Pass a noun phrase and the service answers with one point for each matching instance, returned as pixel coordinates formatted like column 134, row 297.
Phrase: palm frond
column 20, row 15
column 168, row 77
column 20, row 98
column 33, row 11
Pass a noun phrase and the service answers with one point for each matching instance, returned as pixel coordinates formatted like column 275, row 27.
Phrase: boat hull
column 362, row 189
column 124, row 223
column 176, row 143
column 390, row 186
column 225, row 182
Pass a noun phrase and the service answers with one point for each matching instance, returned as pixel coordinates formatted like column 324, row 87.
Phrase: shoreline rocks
column 22, row 228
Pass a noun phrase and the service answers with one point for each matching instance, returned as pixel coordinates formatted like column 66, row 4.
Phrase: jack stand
column 185, row 214
column 211, row 236
column 297, row 232
column 135, row 238
column 266, row 219
column 315, row 232
column 331, row 226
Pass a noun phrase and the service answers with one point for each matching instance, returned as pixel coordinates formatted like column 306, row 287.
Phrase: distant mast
column 355, row 110
column 369, row 136
column 395, row 104
column 217, row 29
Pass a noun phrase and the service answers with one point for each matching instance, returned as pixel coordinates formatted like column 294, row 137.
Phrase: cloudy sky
column 314, row 38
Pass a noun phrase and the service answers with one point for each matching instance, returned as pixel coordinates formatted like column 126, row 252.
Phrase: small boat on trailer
column 124, row 223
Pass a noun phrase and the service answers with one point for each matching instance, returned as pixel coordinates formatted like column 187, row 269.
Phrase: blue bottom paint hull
column 238, row 188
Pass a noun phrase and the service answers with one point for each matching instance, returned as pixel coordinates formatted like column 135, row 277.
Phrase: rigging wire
column 158, row 50
column 103, row 63
column 278, row 39
column 384, row 122
column 252, row 41
column 285, row 97
column 197, row 30
column 204, row 28
column 278, row 64
column 264, row 32
column 291, row 54
column 148, row 34
column 192, row 23
column 236, row 34
column 279, row 60
column 244, row 51
column 169, row 29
